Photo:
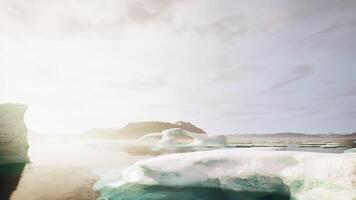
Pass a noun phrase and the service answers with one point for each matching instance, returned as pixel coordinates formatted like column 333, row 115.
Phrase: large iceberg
column 13, row 134
column 236, row 174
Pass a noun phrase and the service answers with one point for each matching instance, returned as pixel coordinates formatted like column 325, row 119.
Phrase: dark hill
column 136, row 130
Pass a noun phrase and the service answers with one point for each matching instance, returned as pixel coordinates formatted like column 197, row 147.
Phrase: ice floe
column 353, row 150
column 332, row 145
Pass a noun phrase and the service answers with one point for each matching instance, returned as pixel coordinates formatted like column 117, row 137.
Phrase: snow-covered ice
column 170, row 139
column 353, row 150
column 302, row 175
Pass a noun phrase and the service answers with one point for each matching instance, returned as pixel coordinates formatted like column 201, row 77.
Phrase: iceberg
column 236, row 174
column 13, row 134
column 169, row 138
column 172, row 139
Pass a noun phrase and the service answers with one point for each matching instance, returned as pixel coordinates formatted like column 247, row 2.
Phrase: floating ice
column 236, row 174
column 312, row 144
column 332, row 145
column 172, row 139
column 353, row 150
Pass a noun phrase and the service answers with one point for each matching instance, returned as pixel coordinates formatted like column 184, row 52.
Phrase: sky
column 227, row 66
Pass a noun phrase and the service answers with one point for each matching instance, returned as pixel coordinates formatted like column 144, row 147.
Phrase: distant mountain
column 136, row 130
column 296, row 135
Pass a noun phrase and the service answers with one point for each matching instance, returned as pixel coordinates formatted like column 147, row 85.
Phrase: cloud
column 300, row 72
column 144, row 11
column 345, row 93
column 225, row 28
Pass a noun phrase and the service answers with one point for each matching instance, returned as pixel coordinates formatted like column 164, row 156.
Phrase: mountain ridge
column 297, row 135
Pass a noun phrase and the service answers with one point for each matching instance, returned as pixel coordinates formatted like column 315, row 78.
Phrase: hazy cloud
column 299, row 72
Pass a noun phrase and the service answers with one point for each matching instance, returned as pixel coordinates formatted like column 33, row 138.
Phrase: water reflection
column 161, row 192
column 10, row 175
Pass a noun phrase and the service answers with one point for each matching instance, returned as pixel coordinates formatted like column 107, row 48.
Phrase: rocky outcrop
column 13, row 134
column 139, row 129
column 136, row 130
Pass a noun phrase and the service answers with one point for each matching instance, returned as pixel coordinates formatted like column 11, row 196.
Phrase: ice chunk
column 299, row 174
column 169, row 138
column 353, row 150
column 13, row 134
column 332, row 145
